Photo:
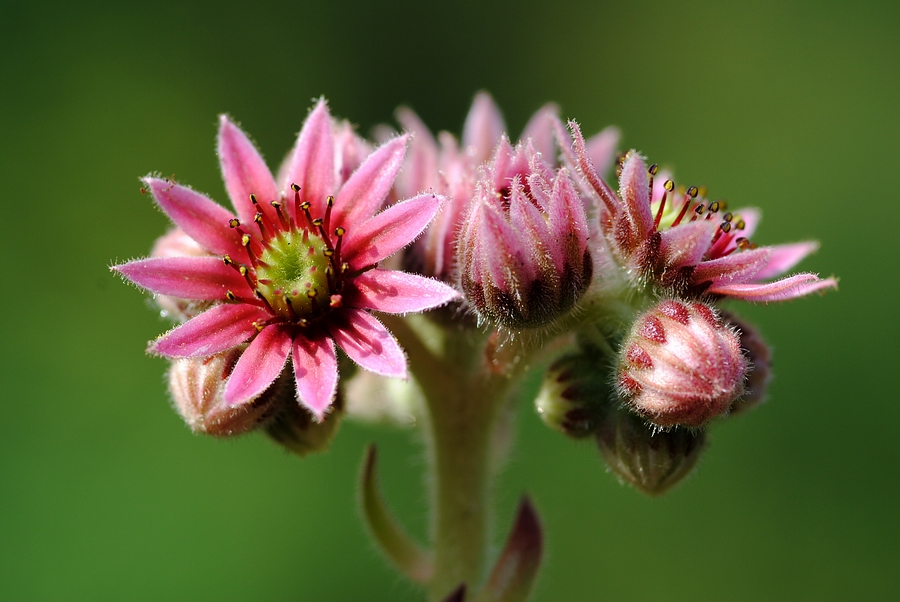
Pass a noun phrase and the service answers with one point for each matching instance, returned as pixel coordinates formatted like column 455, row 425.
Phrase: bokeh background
column 104, row 493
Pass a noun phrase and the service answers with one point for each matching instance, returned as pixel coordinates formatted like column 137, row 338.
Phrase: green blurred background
column 104, row 493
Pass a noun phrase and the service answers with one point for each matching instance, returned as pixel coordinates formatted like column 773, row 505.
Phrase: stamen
column 336, row 301
column 329, row 203
column 282, row 220
column 688, row 199
column 234, row 222
column 652, row 171
column 698, row 211
column 258, row 218
column 265, row 301
column 339, row 234
column 297, row 203
column 230, row 296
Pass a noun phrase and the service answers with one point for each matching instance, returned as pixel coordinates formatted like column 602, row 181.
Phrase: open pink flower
column 682, row 242
column 296, row 269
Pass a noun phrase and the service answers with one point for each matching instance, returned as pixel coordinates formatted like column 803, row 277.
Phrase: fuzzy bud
column 197, row 386
column 681, row 365
column 759, row 371
column 523, row 249
column 297, row 430
column 651, row 460
column 574, row 394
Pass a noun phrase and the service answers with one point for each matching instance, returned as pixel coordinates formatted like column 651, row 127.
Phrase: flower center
column 295, row 275
column 295, row 266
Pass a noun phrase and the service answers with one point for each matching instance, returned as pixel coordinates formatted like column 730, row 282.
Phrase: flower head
column 295, row 269
column 679, row 241
column 524, row 245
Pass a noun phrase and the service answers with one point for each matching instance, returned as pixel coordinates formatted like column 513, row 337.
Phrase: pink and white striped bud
column 681, row 365
column 197, row 386
column 524, row 258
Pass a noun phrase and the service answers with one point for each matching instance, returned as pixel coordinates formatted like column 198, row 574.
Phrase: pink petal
column 541, row 131
column 245, row 172
column 202, row 219
column 610, row 201
column 396, row 292
column 363, row 194
column 505, row 254
column 601, row 148
column 316, row 372
column 795, row 286
column 259, row 365
column 389, row 231
column 686, row 244
column 751, row 217
column 217, row 329
column 737, row 267
column 368, row 343
column 634, row 188
column 420, row 172
column 784, row 257
column 483, row 128
column 185, row 277
column 311, row 164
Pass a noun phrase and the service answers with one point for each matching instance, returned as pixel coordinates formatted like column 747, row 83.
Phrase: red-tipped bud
column 197, row 386
column 681, row 365
column 759, row 371
column 574, row 395
column 651, row 460
column 523, row 249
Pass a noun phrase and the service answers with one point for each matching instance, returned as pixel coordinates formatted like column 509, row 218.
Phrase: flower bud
column 197, row 386
column 574, row 394
column 759, row 370
column 681, row 365
column 651, row 460
column 297, row 429
column 523, row 248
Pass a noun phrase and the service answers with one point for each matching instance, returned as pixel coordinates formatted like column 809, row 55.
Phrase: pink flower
column 524, row 246
column 687, row 245
column 296, row 269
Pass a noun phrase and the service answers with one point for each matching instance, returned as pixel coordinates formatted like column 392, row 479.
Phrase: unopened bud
column 523, row 250
column 297, row 430
column 759, row 371
column 197, row 386
column 681, row 365
column 651, row 460
column 574, row 395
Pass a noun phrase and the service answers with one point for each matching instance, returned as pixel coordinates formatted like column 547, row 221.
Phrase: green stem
column 465, row 398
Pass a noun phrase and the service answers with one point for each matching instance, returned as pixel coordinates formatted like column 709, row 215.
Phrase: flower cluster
column 527, row 236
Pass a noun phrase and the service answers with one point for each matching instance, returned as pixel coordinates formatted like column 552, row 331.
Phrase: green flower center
column 295, row 275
